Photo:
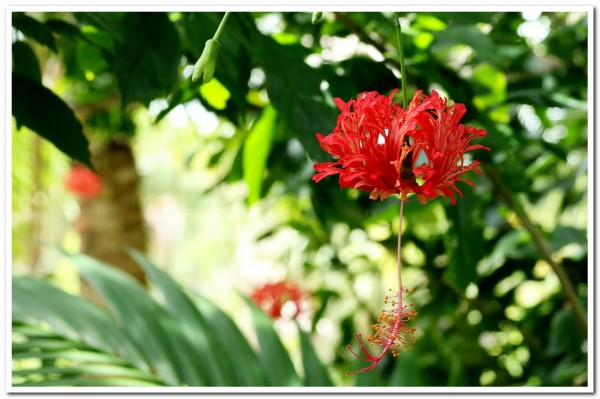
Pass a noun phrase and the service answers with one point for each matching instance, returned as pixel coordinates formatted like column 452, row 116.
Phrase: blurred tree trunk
column 115, row 219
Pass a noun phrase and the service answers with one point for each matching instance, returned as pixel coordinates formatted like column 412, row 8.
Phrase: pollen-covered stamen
column 391, row 331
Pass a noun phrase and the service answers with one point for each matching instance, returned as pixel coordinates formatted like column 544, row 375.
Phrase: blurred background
column 238, row 254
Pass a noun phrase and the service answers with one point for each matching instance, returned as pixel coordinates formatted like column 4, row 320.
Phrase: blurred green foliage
column 491, row 310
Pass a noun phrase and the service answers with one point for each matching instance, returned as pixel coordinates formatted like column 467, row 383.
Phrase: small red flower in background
column 272, row 297
column 385, row 149
column 83, row 182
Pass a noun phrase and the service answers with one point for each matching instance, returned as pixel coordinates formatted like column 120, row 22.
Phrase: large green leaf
column 273, row 357
column 148, row 57
column 146, row 323
column 45, row 113
column 34, row 300
column 294, row 90
column 256, row 151
column 247, row 369
column 315, row 373
column 201, row 336
column 25, row 62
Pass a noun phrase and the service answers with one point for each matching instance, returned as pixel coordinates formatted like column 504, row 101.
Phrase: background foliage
column 224, row 171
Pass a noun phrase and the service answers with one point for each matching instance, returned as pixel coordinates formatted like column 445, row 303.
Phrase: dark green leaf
column 294, row 90
column 464, row 241
column 34, row 29
column 147, row 59
column 25, row 62
column 45, row 113
column 64, row 28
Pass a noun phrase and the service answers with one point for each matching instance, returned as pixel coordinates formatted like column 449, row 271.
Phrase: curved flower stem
column 543, row 247
column 401, row 54
column 400, row 261
column 221, row 25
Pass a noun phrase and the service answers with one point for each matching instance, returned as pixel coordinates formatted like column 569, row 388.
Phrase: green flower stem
column 543, row 247
column 221, row 25
column 401, row 55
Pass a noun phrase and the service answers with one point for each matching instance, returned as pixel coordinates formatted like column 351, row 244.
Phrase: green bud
column 205, row 66
column 316, row 17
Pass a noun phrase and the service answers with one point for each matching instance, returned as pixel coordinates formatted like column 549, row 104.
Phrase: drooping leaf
column 247, row 368
column 45, row 113
column 25, row 62
column 34, row 29
column 273, row 356
column 147, row 59
column 201, row 335
column 315, row 373
column 36, row 301
column 256, row 151
column 146, row 323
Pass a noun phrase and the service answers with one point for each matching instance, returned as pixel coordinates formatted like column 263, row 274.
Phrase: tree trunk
column 115, row 219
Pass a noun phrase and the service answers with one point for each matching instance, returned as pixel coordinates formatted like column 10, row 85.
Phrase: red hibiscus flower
column 83, row 182
column 272, row 297
column 385, row 149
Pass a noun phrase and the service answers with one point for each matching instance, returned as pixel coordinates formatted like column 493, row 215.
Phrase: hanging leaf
column 147, row 59
column 34, row 29
column 273, row 355
column 45, row 113
column 25, row 62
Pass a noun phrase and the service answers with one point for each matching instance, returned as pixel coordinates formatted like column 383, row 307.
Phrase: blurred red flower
column 272, row 297
column 83, row 182
column 385, row 149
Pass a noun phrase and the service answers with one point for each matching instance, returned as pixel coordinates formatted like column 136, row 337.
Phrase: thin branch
column 543, row 247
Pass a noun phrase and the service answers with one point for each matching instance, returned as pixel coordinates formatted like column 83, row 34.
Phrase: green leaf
column 25, row 62
column 515, row 245
column 294, row 90
column 494, row 82
column 406, row 371
column 561, row 337
column 470, row 35
column 273, row 356
column 200, row 334
column 360, row 74
column 246, row 367
column 34, row 29
column 74, row 317
column 148, row 57
column 45, row 113
column 146, row 323
column 464, row 241
column 256, row 151
column 315, row 373
column 64, row 28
